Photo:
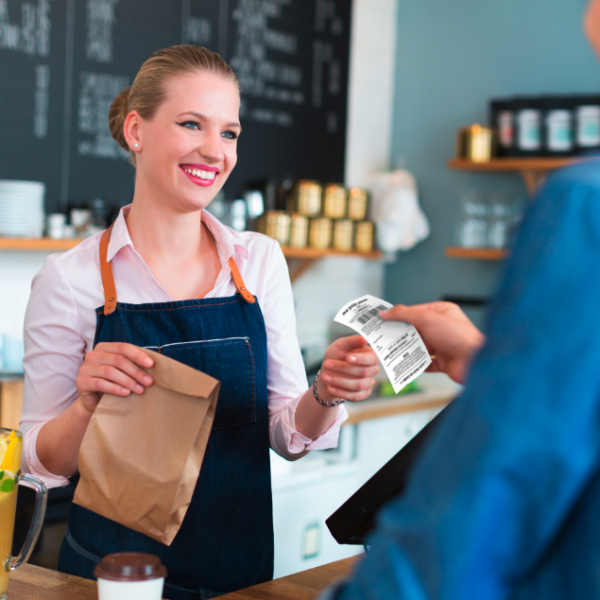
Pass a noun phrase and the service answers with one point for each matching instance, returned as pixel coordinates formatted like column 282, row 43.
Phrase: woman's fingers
column 121, row 363
column 92, row 378
column 348, row 384
column 104, row 386
column 133, row 353
column 350, row 343
column 113, row 368
column 349, row 369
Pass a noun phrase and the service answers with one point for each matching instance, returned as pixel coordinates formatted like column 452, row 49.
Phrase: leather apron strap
column 110, row 290
column 240, row 286
column 106, row 272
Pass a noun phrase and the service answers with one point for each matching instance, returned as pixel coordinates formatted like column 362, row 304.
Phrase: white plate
column 20, row 222
column 18, row 205
column 20, row 185
column 22, row 206
column 17, row 202
column 15, row 212
column 17, row 220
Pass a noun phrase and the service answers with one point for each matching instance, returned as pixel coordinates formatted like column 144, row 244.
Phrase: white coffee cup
column 130, row 576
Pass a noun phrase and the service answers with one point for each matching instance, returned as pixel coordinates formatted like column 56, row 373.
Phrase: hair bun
column 119, row 109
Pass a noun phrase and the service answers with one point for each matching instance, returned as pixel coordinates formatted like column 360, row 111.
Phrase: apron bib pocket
column 230, row 360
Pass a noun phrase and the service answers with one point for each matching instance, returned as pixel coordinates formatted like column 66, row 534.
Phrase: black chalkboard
column 63, row 61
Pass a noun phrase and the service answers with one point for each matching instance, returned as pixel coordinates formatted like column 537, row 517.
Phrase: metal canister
column 299, row 232
column 475, row 143
column 358, row 204
column 276, row 224
column 305, row 198
column 343, row 235
column 320, row 233
column 363, row 241
column 335, row 201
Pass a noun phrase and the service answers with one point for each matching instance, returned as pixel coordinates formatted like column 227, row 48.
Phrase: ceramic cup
column 130, row 576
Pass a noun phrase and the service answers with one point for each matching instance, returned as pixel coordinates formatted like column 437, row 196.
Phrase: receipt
column 397, row 344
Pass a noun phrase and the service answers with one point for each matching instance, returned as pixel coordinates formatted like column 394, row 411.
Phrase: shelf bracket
column 534, row 180
column 300, row 266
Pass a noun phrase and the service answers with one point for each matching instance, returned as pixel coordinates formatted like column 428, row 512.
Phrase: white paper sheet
column 397, row 344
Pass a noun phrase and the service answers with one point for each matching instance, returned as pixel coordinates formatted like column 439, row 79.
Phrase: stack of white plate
column 21, row 208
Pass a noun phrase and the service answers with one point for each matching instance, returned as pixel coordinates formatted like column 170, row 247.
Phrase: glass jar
column 358, row 204
column 305, row 198
column 364, row 236
column 299, row 231
column 276, row 224
column 334, row 201
column 471, row 229
column 343, row 235
column 320, row 233
column 528, row 130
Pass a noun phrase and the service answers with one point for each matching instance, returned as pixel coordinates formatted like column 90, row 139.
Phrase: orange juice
column 10, row 457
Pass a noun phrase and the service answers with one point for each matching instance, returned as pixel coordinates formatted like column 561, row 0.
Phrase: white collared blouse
column 60, row 324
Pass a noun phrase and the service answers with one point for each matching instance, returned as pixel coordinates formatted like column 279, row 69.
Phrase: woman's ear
column 592, row 25
column 131, row 131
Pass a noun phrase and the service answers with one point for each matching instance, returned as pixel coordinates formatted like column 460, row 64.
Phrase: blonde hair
column 148, row 89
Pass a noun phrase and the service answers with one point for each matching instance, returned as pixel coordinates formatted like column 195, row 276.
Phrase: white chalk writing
column 199, row 31
column 100, row 22
column 33, row 35
column 41, row 101
column 95, row 97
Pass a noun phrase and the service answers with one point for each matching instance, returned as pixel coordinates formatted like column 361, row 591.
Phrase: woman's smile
column 202, row 175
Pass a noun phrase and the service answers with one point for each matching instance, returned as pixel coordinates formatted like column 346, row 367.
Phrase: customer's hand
column 112, row 368
column 448, row 333
column 349, row 370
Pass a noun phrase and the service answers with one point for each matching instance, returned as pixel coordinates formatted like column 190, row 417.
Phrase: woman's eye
column 232, row 135
column 190, row 125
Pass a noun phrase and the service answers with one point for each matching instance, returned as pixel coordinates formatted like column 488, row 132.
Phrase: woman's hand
column 447, row 332
column 349, row 370
column 112, row 368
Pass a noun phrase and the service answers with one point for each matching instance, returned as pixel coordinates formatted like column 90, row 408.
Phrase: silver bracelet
column 319, row 399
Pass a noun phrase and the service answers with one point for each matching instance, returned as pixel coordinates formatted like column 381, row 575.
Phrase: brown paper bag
column 141, row 455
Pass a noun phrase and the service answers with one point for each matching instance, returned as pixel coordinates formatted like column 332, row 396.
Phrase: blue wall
column 453, row 55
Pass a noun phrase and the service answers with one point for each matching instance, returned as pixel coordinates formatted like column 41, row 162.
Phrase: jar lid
column 130, row 566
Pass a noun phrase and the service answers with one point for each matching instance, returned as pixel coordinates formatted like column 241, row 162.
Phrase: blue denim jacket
column 505, row 503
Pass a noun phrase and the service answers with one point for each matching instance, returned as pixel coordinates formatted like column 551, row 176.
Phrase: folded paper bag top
column 141, row 455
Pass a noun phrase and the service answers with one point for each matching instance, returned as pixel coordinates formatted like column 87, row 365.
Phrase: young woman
column 167, row 274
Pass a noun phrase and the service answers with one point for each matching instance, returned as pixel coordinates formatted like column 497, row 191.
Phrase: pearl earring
column 136, row 145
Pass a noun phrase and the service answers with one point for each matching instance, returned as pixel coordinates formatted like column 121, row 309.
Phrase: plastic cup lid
column 130, row 566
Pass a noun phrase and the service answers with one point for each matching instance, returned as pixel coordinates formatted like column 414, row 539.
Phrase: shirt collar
column 228, row 241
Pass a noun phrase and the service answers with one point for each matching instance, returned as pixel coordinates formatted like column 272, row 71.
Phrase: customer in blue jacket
column 505, row 503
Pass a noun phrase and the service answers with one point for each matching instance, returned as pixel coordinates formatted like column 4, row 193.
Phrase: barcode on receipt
column 366, row 317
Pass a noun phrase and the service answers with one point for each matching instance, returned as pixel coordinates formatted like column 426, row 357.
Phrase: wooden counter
column 305, row 585
column 438, row 391
column 11, row 402
column 35, row 583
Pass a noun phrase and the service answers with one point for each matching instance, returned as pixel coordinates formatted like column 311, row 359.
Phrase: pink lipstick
column 195, row 178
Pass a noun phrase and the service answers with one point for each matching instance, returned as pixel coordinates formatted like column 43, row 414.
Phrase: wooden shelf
column 309, row 253
column 307, row 257
column 533, row 170
column 47, row 244
column 514, row 164
column 41, row 245
column 476, row 253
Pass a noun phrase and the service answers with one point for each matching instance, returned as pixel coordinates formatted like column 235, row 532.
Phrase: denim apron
column 226, row 539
